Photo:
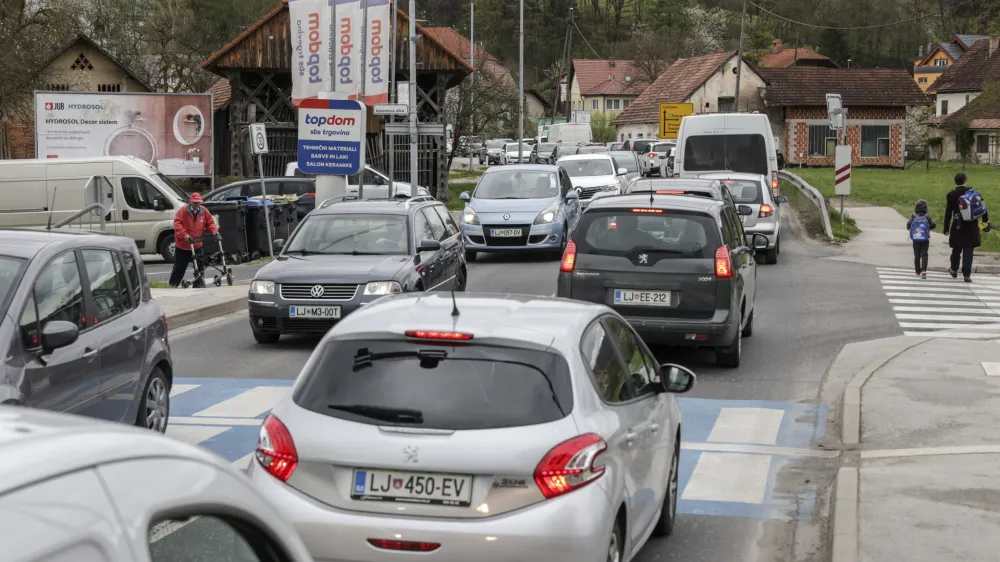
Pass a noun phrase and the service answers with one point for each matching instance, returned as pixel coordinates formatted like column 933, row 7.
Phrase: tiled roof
column 607, row 78
column 954, row 50
column 676, row 84
column 221, row 94
column 970, row 72
column 857, row 86
column 455, row 41
column 968, row 40
column 980, row 113
column 786, row 58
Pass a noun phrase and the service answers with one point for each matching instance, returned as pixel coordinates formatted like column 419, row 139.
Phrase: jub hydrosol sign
column 331, row 137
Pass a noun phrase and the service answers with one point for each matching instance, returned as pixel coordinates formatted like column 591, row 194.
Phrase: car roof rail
column 332, row 200
column 418, row 199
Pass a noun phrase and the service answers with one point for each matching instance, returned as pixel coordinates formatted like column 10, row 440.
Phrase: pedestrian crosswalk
column 731, row 456
column 941, row 303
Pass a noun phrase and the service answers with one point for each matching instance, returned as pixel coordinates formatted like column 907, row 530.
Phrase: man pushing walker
column 190, row 223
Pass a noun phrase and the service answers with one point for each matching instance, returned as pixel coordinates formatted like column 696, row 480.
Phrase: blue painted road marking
column 732, row 453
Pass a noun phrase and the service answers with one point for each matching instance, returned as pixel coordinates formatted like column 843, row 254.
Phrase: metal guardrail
column 84, row 211
column 813, row 195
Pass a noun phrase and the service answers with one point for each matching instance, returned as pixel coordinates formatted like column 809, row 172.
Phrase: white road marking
column 193, row 434
column 936, row 326
column 729, row 477
column 966, row 303
column 931, row 451
column 747, row 425
column 956, row 335
column 932, row 284
column 760, row 449
column 965, row 319
column 249, row 404
column 181, row 389
column 952, row 290
column 970, row 309
column 229, row 422
column 991, row 369
column 944, row 296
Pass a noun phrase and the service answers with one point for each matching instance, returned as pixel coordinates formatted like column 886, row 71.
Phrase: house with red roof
column 927, row 68
column 786, row 57
column 604, row 86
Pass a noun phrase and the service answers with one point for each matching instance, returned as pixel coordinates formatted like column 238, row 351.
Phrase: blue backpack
column 970, row 206
column 920, row 229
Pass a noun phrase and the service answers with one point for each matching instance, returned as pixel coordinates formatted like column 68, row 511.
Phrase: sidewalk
column 927, row 482
column 184, row 307
column 884, row 241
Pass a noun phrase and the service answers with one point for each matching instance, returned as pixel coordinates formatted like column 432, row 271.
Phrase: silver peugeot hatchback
column 490, row 427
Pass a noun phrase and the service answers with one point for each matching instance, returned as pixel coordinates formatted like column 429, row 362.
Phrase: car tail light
column 652, row 155
column 275, row 449
column 670, row 192
column 766, row 211
column 648, row 211
column 774, row 180
column 723, row 265
column 569, row 258
column 409, row 546
column 570, row 465
column 427, row 335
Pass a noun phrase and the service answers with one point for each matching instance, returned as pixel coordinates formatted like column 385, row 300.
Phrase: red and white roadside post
column 842, row 175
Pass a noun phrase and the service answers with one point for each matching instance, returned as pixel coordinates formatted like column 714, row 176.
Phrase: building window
column 941, row 62
column 822, row 141
column 922, row 80
column 593, row 104
column 983, row 144
column 82, row 64
column 625, row 103
column 612, row 104
column 109, row 88
column 727, row 105
column 944, row 107
column 875, row 141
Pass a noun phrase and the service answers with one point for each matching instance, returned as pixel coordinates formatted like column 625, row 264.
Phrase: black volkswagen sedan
column 350, row 253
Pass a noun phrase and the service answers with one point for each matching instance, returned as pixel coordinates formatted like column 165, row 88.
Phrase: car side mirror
column 572, row 195
column 278, row 244
column 159, row 204
column 622, row 171
column 779, row 199
column 759, row 242
column 429, row 246
column 57, row 334
column 676, row 379
column 464, row 196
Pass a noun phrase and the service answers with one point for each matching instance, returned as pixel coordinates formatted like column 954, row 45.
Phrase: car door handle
column 89, row 353
column 630, row 437
column 136, row 332
column 654, row 427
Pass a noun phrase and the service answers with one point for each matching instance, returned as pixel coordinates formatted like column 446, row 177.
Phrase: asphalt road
column 806, row 310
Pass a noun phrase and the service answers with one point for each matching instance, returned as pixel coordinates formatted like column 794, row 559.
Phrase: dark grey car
column 678, row 268
column 82, row 333
column 346, row 255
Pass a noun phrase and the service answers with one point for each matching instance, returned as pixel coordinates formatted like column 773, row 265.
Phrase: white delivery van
column 141, row 200
column 726, row 142
column 570, row 134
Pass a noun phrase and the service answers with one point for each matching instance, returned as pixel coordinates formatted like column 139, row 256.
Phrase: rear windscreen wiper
column 363, row 358
column 381, row 413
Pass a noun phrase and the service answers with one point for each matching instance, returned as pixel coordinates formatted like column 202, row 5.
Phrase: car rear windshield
column 673, row 234
column 518, row 184
column 736, row 153
column 745, row 191
column 592, row 149
column 434, row 386
column 546, row 147
column 662, row 147
column 495, row 144
column 351, row 234
column 625, row 160
column 587, row 168
column 564, row 150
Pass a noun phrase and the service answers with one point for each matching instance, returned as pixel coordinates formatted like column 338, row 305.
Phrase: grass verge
column 455, row 188
column 812, row 220
column 159, row 285
column 900, row 189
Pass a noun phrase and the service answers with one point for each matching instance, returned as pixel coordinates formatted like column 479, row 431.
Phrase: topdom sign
column 331, row 137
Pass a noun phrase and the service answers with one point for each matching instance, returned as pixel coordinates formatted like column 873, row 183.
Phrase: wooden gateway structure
column 256, row 87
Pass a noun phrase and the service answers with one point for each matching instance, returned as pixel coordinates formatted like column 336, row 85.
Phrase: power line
column 859, row 27
column 588, row 42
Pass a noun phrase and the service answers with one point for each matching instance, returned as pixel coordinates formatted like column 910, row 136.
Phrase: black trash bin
column 291, row 218
column 232, row 219
column 257, row 227
column 279, row 219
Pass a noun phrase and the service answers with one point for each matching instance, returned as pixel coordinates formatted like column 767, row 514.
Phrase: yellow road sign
column 670, row 118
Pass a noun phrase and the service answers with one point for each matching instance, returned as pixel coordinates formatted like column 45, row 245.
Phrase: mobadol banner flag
column 310, row 47
column 346, row 48
column 377, row 56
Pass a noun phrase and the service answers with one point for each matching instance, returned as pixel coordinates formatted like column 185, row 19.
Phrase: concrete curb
column 845, row 516
column 850, row 415
column 199, row 314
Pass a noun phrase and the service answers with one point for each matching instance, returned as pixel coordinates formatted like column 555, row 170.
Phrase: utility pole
column 520, row 92
column 739, row 55
column 555, row 103
column 364, row 79
column 569, row 64
column 392, row 97
column 413, row 98
column 472, row 63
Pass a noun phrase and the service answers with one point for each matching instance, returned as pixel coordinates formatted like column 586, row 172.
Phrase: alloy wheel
column 156, row 405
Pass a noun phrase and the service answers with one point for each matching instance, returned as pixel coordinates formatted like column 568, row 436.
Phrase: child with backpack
column 962, row 216
column 920, row 226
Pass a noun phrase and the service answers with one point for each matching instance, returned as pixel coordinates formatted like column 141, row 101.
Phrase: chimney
column 929, row 49
column 776, row 46
column 920, row 52
column 611, row 62
column 994, row 43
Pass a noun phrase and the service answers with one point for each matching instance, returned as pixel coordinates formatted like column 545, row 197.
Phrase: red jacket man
column 190, row 222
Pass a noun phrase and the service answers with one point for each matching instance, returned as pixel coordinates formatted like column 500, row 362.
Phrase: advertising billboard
column 173, row 132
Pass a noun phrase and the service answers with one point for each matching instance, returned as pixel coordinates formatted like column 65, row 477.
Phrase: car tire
column 730, row 356
column 558, row 254
column 154, row 407
column 167, row 248
column 470, row 255
column 461, row 280
column 615, row 545
column 265, row 338
column 778, row 245
column 668, row 511
column 771, row 256
column 748, row 329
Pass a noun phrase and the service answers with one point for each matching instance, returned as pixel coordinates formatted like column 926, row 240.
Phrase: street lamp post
column 520, row 92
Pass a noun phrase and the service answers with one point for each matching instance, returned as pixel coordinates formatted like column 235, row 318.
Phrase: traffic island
column 184, row 307
column 922, row 485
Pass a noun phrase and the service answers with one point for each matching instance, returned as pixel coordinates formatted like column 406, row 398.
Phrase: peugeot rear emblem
column 410, row 454
column 643, row 258
column 506, row 216
column 316, row 291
